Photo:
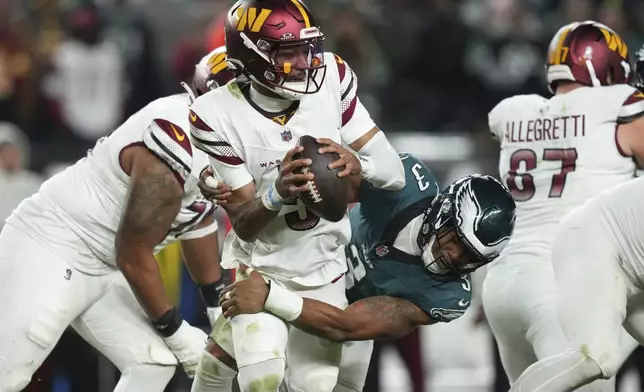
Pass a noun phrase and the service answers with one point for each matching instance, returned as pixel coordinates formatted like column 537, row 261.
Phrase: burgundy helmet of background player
column 278, row 44
column 589, row 53
column 211, row 72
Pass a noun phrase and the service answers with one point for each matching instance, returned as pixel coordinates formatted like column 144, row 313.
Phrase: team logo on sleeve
column 180, row 136
column 197, row 123
column 446, row 315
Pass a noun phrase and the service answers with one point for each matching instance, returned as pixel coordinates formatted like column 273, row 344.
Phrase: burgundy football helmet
column 211, row 72
column 278, row 44
column 589, row 53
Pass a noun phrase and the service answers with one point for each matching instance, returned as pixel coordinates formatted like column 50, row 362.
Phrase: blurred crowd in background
column 72, row 70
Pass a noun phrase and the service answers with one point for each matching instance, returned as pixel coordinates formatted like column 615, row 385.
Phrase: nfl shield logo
column 286, row 136
column 382, row 250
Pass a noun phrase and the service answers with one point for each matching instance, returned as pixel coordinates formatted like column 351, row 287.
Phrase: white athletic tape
column 212, row 182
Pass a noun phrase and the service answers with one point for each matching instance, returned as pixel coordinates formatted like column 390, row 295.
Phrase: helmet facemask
column 293, row 67
column 212, row 72
column 449, row 253
column 202, row 82
column 446, row 250
column 637, row 80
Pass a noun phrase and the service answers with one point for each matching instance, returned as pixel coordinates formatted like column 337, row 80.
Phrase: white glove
column 187, row 344
column 213, row 314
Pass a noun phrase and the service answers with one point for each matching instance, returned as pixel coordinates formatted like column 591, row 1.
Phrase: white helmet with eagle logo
column 476, row 215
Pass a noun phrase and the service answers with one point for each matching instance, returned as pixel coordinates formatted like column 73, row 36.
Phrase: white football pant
column 354, row 366
column 595, row 297
column 262, row 340
column 520, row 302
column 41, row 295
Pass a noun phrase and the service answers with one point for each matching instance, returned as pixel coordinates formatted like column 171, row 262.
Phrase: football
column 327, row 195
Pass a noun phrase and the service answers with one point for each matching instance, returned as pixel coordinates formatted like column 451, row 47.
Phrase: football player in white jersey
column 555, row 154
column 598, row 259
column 250, row 131
column 408, row 261
column 80, row 252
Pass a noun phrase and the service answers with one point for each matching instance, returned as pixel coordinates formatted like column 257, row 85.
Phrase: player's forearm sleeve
column 381, row 165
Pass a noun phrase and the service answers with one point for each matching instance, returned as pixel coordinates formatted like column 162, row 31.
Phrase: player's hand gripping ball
column 327, row 194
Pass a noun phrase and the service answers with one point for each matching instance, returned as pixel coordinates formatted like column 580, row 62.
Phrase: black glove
column 210, row 296
column 210, row 292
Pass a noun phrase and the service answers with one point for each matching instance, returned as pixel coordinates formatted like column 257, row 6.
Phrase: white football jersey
column 619, row 212
column 247, row 146
column 77, row 212
column 556, row 153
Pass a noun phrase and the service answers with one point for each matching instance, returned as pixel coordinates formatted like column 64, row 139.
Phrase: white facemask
column 428, row 258
column 288, row 94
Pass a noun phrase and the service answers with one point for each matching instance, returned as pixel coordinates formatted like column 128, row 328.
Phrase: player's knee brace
column 145, row 377
column 212, row 375
column 265, row 376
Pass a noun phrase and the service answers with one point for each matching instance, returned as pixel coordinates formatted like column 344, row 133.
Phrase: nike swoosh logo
column 193, row 117
column 463, row 303
column 180, row 137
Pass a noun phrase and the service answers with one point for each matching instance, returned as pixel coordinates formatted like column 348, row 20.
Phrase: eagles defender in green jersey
column 409, row 258
column 383, row 256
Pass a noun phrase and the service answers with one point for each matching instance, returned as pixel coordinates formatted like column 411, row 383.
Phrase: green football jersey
column 376, row 268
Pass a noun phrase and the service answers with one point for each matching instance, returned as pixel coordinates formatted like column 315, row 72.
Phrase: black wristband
column 169, row 323
column 210, row 292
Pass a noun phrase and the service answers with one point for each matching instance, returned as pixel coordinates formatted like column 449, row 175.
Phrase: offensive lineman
column 80, row 252
column 250, row 130
column 555, row 154
column 607, row 286
column 409, row 260
column 598, row 259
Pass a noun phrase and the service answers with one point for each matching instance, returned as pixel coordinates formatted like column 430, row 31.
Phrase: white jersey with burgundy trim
column 77, row 212
column 557, row 153
column 246, row 146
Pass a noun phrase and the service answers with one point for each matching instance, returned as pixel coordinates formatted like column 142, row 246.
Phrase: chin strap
column 191, row 93
column 385, row 247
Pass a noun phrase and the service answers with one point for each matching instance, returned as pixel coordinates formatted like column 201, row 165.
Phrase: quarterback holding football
column 409, row 260
column 250, row 130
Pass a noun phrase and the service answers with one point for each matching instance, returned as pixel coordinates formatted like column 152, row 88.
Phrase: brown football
column 328, row 194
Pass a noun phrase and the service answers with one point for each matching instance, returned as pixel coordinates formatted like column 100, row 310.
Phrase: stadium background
column 429, row 72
